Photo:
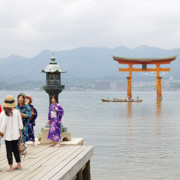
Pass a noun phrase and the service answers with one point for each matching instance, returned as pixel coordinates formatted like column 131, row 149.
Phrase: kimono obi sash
column 53, row 114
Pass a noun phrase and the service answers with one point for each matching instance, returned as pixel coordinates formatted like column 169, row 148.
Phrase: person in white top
column 11, row 129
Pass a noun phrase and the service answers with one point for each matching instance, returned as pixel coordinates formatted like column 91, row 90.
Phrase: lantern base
column 43, row 136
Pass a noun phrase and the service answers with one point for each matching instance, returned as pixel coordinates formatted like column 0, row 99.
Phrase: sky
column 28, row 27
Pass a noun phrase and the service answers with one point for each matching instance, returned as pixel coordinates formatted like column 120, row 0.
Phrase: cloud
column 27, row 27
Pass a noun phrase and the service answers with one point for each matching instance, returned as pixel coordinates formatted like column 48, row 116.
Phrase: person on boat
column 11, row 129
column 34, row 113
column 54, row 120
column 25, row 114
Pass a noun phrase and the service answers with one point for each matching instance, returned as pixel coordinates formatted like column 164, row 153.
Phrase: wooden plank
column 3, row 158
column 52, row 164
column 44, row 162
column 29, row 163
column 4, row 163
column 35, row 150
column 7, row 173
column 70, row 170
column 47, row 165
column 29, row 149
column 32, row 167
column 60, row 165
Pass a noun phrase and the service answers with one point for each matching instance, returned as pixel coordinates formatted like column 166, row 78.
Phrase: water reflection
column 129, row 110
column 158, row 108
column 129, row 119
column 158, row 129
column 129, row 129
column 158, row 116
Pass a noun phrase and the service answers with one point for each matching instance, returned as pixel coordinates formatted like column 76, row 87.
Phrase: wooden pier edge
column 75, row 167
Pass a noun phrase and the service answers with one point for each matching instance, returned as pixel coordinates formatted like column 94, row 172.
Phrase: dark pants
column 12, row 147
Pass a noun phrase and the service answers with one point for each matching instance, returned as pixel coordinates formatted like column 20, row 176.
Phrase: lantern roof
column 52, row 66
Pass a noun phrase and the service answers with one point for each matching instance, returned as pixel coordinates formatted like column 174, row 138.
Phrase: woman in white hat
column 11, row 129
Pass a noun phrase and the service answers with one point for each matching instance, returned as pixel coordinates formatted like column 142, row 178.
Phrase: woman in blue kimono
column 28, row 100
column 25, row 114
column 54, row 120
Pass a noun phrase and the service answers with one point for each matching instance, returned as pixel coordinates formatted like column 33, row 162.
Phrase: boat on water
column 121, row 100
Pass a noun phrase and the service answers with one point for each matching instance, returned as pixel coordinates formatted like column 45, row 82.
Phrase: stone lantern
column 53, row 87
column 53, row 78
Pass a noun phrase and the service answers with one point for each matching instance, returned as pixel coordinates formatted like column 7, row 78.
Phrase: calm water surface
column 131, row 141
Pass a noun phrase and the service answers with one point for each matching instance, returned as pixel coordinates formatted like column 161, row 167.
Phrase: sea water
column 131, row 141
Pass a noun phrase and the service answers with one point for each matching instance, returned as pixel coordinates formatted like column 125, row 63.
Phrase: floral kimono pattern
column 55, row 117
column 31, row 124
column 25, row 120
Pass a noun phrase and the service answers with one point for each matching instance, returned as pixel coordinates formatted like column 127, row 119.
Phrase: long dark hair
column 55, row 97
column 23, row 99
column 8, row 111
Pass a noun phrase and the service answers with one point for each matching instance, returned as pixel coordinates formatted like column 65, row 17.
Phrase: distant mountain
column 82, row 63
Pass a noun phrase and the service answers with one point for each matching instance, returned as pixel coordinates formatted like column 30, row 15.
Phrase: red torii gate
column 144, row 61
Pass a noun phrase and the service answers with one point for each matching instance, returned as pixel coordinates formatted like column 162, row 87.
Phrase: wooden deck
column 43, row 162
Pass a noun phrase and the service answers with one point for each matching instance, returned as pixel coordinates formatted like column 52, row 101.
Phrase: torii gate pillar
column 158, row 83
column 158, row 88
column 129, row 85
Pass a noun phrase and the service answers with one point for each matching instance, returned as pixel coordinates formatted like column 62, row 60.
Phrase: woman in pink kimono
column 54, row 120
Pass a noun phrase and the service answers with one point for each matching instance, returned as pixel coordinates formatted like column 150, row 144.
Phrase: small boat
column 121, row 100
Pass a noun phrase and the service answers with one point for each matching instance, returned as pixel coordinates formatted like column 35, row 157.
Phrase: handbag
column 22, row 147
